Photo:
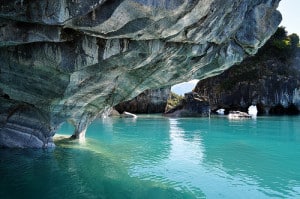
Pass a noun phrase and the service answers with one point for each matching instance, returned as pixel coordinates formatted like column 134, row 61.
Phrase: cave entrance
column 66, row 129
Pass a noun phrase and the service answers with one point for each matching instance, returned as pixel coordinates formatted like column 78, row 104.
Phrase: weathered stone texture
column 72, row 59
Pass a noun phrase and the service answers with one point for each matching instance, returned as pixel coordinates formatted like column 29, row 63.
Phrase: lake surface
column 155, row 157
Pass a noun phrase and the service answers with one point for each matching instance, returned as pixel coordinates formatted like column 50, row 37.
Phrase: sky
column 290, row 11
column 184, row 87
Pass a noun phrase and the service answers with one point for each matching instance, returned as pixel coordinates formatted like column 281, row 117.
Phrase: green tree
column 294, row 40
column 280, row 34
column 278, row 40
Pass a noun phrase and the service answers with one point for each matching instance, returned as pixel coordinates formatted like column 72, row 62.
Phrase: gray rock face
column 269, row 81
column 192, row 105
column 72, row 60
column 149, row 101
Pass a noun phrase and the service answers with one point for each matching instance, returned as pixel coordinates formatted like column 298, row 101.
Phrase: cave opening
column 66, row 129
column 184, row 87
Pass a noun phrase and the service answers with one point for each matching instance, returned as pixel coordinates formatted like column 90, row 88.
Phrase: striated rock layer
column 70, row 60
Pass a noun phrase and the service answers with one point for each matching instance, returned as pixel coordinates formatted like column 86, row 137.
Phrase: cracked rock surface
column 70, row 60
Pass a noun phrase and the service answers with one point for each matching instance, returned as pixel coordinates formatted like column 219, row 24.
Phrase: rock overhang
column 71, row 59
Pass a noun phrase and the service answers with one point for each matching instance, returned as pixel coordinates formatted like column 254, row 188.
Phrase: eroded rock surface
column 70, row 60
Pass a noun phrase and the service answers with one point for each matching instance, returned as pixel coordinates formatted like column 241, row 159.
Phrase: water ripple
column 162, row 158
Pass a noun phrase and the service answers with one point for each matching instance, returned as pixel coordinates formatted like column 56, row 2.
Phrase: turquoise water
column 156, row 157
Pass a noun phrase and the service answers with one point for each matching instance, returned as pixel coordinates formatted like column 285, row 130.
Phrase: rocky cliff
column 149, row 101
column 70, row 60
column 270, row 80
column 191, row 105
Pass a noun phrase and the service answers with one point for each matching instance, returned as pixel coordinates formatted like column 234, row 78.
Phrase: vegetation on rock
column 149, row 101
column 191, row 105
column 173, row 101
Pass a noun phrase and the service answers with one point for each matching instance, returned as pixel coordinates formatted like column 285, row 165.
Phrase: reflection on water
column 156, row 157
